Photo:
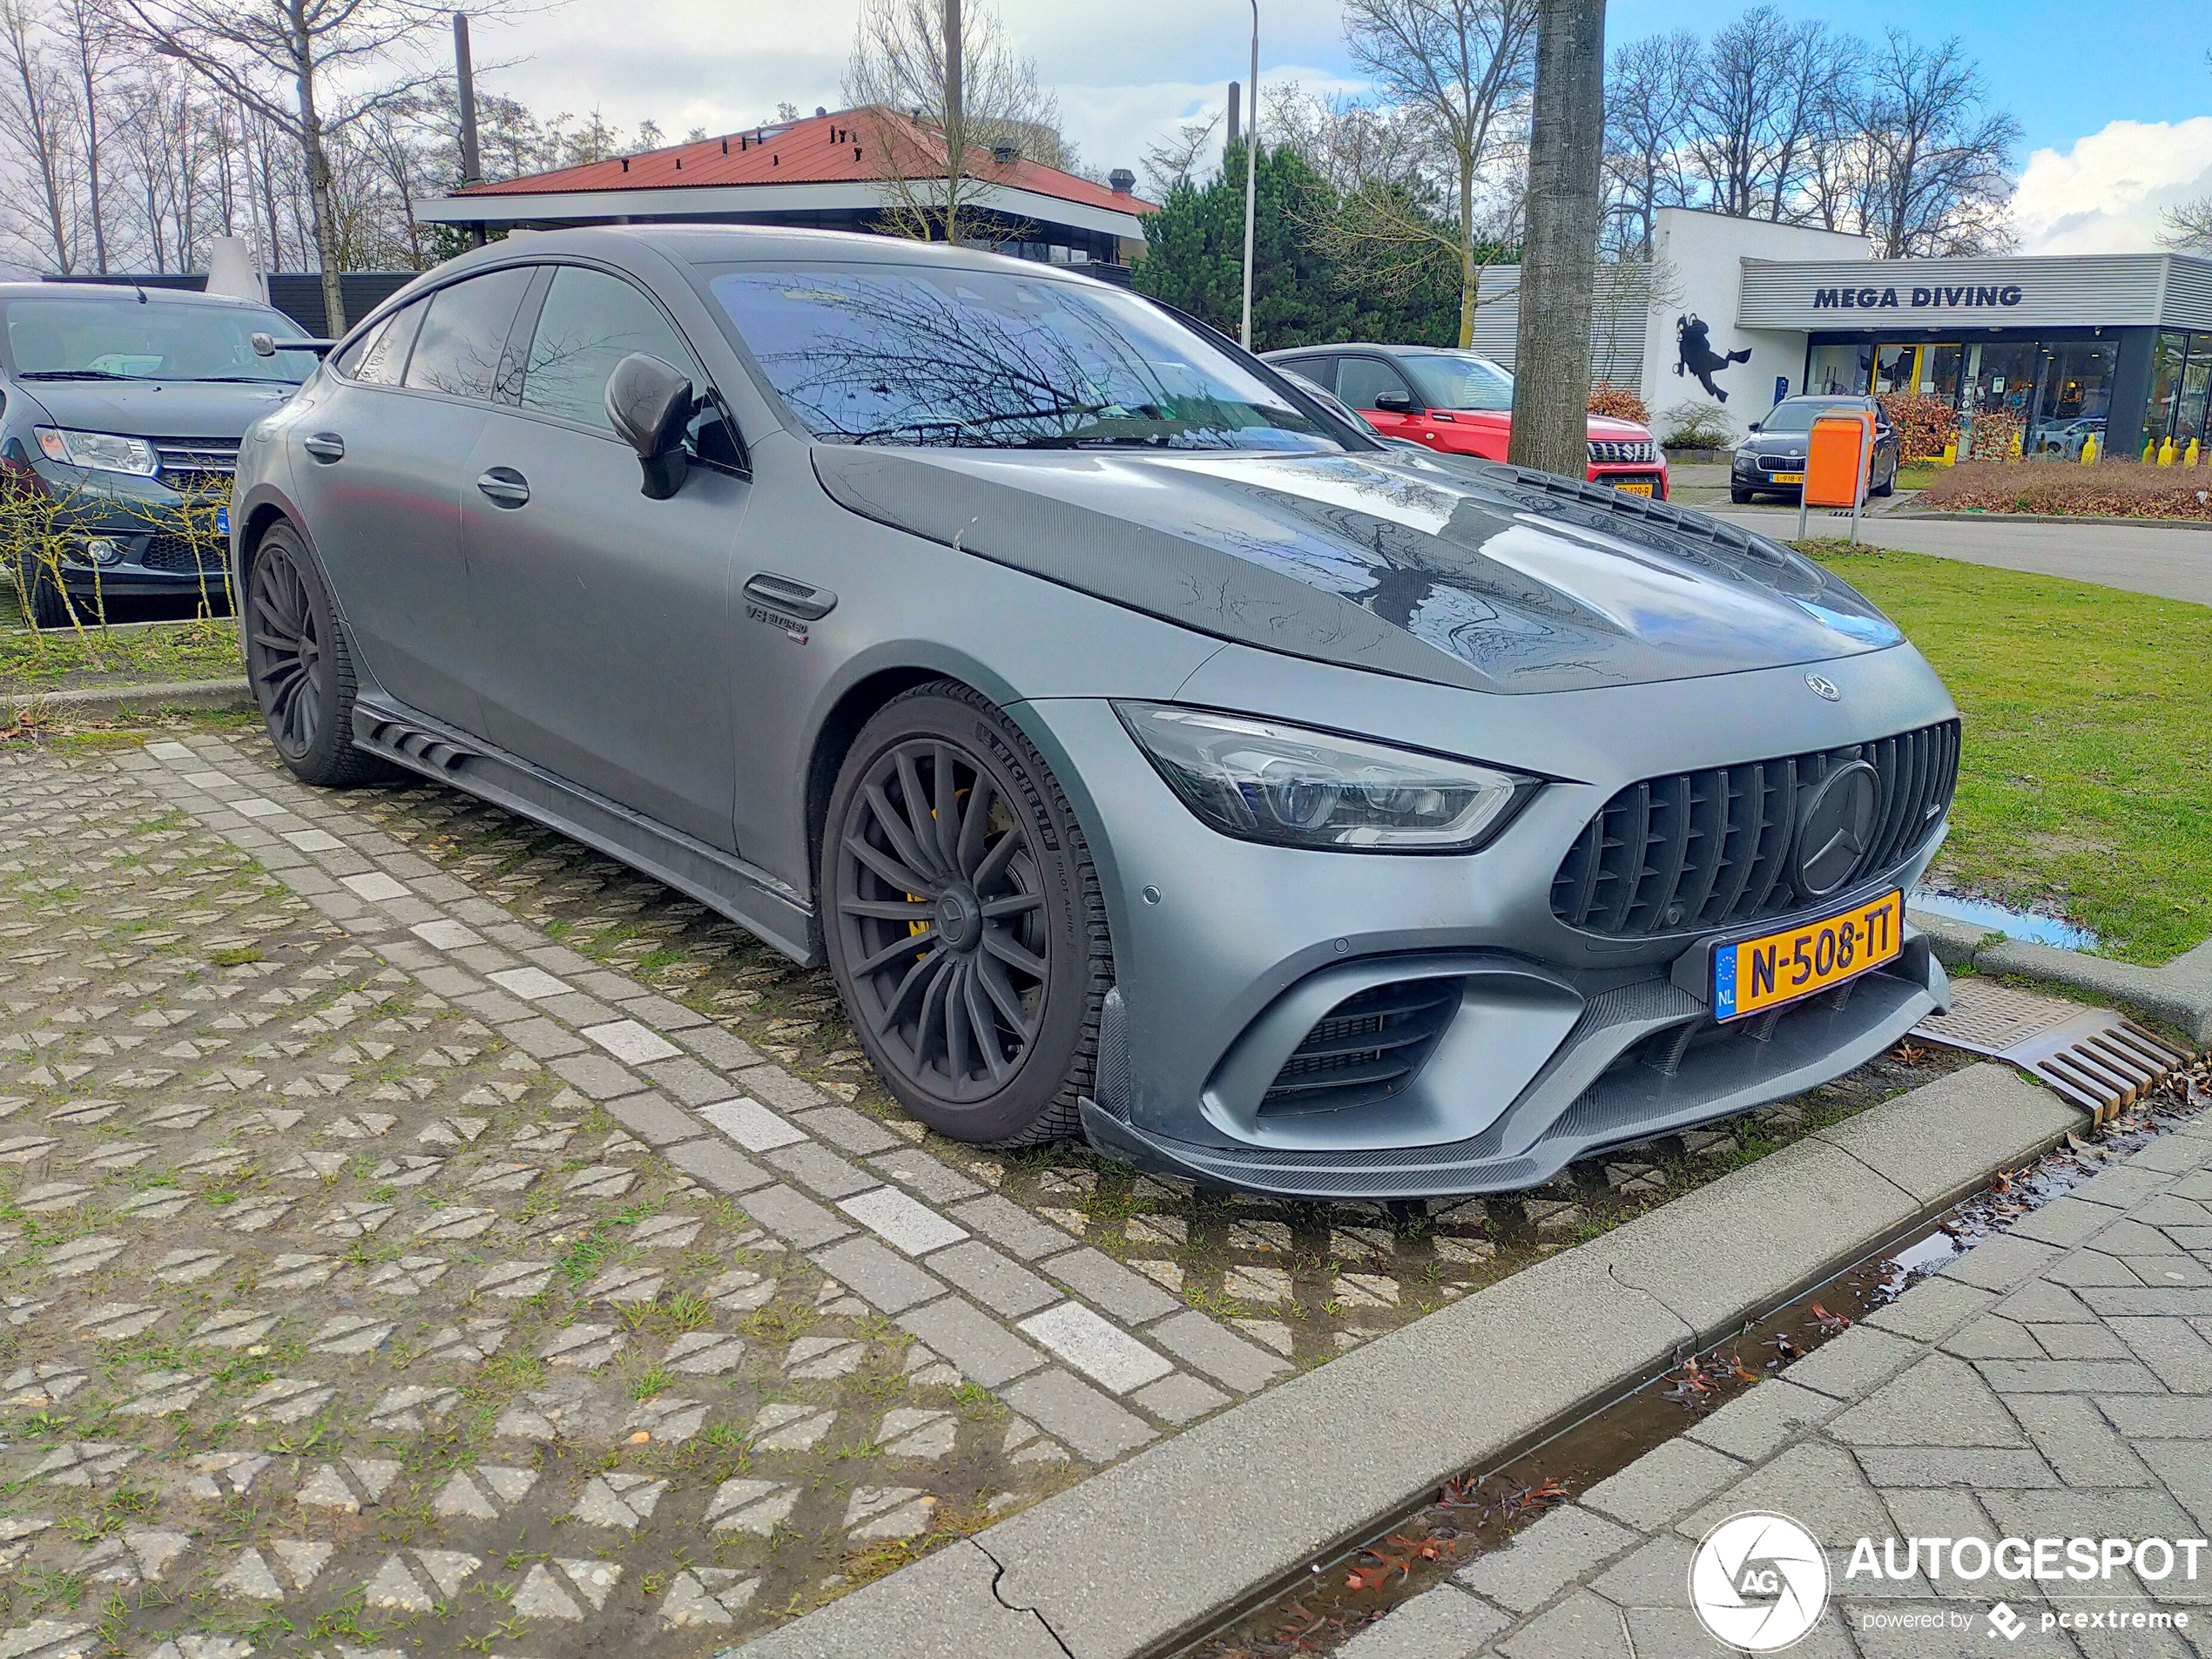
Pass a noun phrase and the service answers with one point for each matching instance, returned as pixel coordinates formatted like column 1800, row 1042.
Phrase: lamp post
column 1252, row 175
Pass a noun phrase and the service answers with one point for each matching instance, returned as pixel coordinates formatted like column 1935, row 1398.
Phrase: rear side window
column 589, row 323
column 378, row 357
column 1362, row 380
column 464, row 337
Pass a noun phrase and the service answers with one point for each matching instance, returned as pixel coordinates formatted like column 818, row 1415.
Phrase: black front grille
column 1710, row 849
column 1369, row 1047
column 215, row 457
column 178, row 553
column 1615, row 451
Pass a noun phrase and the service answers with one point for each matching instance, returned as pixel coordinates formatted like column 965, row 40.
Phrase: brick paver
column 2033, row 1390
column 376, row 1269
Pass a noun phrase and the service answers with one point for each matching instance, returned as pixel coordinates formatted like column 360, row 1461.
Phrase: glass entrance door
column 1930, row 370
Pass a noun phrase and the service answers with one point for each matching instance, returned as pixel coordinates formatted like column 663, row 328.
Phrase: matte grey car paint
column 606, row 673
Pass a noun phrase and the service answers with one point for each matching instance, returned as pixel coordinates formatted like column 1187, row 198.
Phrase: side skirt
column 748, row 895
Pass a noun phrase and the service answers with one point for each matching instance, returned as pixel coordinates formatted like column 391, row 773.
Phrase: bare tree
column 1463, row 67
column 1938, row 154
column 1355, row 143
column 93, row 40
column 1171, row 161
column 2189, row 227
column 1558, row 268
column 1648, row 96
column 936, row 117
column 37, row 122
column 278, row 58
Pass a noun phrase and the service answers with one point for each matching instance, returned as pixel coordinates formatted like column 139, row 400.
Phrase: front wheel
column 300, row 665
column 1741, row 497
column 963, row 919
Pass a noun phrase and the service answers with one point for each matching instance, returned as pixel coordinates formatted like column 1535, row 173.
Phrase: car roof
column 1367, row 345
column 123, row 294
column 736, row 244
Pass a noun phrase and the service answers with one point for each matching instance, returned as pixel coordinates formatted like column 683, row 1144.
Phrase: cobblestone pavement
column 2054, row 1382
column 377, row 1272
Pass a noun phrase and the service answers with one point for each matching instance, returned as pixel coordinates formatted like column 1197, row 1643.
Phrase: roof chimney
column 820, row 110
column 1121, row 181
column 1236, row 94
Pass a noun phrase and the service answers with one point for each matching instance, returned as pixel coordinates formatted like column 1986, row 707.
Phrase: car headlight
column 1267, row 780
column 99, row 451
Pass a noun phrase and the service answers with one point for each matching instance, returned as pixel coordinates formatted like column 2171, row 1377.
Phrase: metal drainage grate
column 2094, row 1058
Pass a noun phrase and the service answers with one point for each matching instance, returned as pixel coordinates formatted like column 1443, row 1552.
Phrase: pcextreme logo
column 1758, row 1581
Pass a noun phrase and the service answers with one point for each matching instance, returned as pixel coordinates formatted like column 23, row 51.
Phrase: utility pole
column 955, row 122
column 472, row 166
column 1252, row 175
column 1551, row 380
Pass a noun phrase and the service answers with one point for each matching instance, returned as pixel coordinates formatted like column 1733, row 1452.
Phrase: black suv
column 118, row 405
column 1771, row 461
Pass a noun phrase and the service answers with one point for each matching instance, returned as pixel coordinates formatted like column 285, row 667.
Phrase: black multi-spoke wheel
column 299, row 665
column 964, row 924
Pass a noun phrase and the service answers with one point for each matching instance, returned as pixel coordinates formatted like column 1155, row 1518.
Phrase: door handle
column 324, row 446
column 505, row 486
column 796, row 598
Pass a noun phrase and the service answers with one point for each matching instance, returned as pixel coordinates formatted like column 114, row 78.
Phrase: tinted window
column 378, row 357
column 1467, row 382
column 992, row 359
column 591, row 321
column 126, row 339
column 1797, row 416
column 465, row 333
column 1361, row 382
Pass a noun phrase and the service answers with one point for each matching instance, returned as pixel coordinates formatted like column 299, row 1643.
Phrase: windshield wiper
column 233, row 380
column 75, row 375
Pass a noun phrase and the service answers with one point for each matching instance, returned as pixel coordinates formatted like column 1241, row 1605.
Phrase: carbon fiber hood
column 1463, row 573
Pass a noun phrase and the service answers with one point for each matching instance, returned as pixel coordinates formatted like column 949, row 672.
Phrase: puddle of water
column 2014, row 924
column 1483, row 1509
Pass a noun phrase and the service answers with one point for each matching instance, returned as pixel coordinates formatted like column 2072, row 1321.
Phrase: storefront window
column 2192, row 415
column 1892, row 370
column 2074, row 390
column 1839, row 371
column 1939, row 367
column 2166, row 369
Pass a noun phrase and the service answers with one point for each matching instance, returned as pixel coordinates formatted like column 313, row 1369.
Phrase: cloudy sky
column 2116, row 100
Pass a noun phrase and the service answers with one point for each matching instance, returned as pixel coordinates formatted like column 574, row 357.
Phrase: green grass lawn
column 2086, row 786
column 1918, row 474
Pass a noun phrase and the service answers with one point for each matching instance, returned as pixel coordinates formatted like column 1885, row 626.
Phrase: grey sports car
column 1151, row 755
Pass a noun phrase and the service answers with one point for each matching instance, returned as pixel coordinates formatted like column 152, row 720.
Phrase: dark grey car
column 1150, row 754
column 1771, row 459
column 119, row 405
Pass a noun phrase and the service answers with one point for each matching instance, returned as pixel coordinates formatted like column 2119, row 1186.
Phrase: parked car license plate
column 1751, row 975
column 1641, row 487
column 1788, row 478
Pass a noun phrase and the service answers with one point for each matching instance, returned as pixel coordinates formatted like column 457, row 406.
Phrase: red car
column 1462, row 404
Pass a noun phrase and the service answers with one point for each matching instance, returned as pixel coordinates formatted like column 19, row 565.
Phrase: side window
column 589, row 322
column 1361, row 381
column 379, row 356
column 465, row 335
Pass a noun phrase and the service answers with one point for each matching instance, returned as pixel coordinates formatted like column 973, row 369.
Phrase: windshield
column 997, row 360
column 1457, row 382
column 1798, row 417
column 122, row 338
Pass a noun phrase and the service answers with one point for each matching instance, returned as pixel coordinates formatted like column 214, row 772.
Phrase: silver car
column 1153, row 756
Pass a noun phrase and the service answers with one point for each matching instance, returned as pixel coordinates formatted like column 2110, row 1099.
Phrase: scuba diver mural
column 1694, row 354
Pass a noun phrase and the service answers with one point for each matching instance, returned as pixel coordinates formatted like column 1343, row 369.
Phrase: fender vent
column 1369, row 1047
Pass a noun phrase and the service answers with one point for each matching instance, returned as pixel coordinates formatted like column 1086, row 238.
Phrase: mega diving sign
column 1944, row 297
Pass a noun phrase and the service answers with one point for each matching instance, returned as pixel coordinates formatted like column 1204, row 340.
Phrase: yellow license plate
column 1634, row 490
column 1788, row 478
column 1754, row 974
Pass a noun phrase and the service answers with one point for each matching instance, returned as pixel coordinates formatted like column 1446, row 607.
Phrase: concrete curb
column 1153, row 1551
column 2058, row 518
column 117, row 699
column 2179, row 995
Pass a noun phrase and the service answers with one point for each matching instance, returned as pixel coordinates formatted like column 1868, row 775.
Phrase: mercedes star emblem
column 1823, row 686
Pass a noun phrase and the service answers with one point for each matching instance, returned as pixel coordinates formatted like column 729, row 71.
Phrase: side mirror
column 264, row 344
column 650, row 403
column 1396, row 402
column 1754, row 426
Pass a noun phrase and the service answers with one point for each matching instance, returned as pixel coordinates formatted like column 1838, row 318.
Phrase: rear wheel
column 1888, row 486
column 965, row 926
column 300, row 663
